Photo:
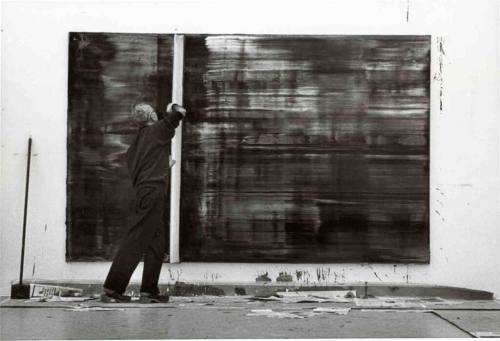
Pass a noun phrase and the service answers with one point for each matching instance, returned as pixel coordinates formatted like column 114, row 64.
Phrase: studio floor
column 233, row 317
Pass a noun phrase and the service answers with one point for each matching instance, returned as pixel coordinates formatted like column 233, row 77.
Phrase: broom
column 20, row 290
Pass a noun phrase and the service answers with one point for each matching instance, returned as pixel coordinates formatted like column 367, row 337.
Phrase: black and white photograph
column 250, row 169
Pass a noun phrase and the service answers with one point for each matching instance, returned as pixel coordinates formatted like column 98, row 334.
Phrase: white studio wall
column 465, row 127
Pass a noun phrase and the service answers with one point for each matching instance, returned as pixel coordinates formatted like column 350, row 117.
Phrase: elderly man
column 148, row 166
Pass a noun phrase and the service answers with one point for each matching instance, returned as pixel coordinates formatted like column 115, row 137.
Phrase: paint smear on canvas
column 306, row 149
column 108, row 74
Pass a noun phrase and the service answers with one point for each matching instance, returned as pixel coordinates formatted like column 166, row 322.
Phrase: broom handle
column 25, row 211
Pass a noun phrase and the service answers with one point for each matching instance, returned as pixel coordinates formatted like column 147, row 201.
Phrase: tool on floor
column 20, row 290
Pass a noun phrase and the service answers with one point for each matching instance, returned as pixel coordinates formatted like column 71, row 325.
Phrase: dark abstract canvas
column 108, row 74
column 306, row 149
column 295, row 148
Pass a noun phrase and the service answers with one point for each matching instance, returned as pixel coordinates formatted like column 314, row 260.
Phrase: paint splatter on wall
column 108, row 74
column 306, row 149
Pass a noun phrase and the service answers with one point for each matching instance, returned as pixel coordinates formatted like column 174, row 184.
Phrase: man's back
column 148, row 154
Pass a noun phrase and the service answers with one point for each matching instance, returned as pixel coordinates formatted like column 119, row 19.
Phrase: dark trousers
column 145, row 238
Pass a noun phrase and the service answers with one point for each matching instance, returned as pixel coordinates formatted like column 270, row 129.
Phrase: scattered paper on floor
column 83, row 308
column 47, row 290
column 298, row 314
column 486, row 334
column 60, row 299
column 386, row 302
column 337, row 311
column 395, row 311
column 338, row 296
column 332, row 294
column 273, row 314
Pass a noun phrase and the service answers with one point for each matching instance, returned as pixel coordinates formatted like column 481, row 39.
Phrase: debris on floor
column 336, row 311
column 403, row 302
column 259, row 320
column 486, row 334
column 60, row 299
column 46, row 290
column 331, row 293
column 396, row 311
column 337, row 296
column 83, row 307
column 204, row 303
column 240, row 291
column 439, row 301
column 386, row 302
column 273, row 314
column 298, row 313
column 190, row 289
column 342, row 296
column 299, row 299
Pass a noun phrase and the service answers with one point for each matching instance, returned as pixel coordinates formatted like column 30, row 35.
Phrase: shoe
column 111, row 296
column 153, row 298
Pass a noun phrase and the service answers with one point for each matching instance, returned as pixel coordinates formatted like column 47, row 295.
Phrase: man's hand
column 176, row 108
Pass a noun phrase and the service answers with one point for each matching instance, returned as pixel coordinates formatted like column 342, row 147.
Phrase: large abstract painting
column 295, row 148
column 108, row 74
column 306, row 149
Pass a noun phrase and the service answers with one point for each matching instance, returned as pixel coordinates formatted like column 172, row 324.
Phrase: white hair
column 143, row 114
